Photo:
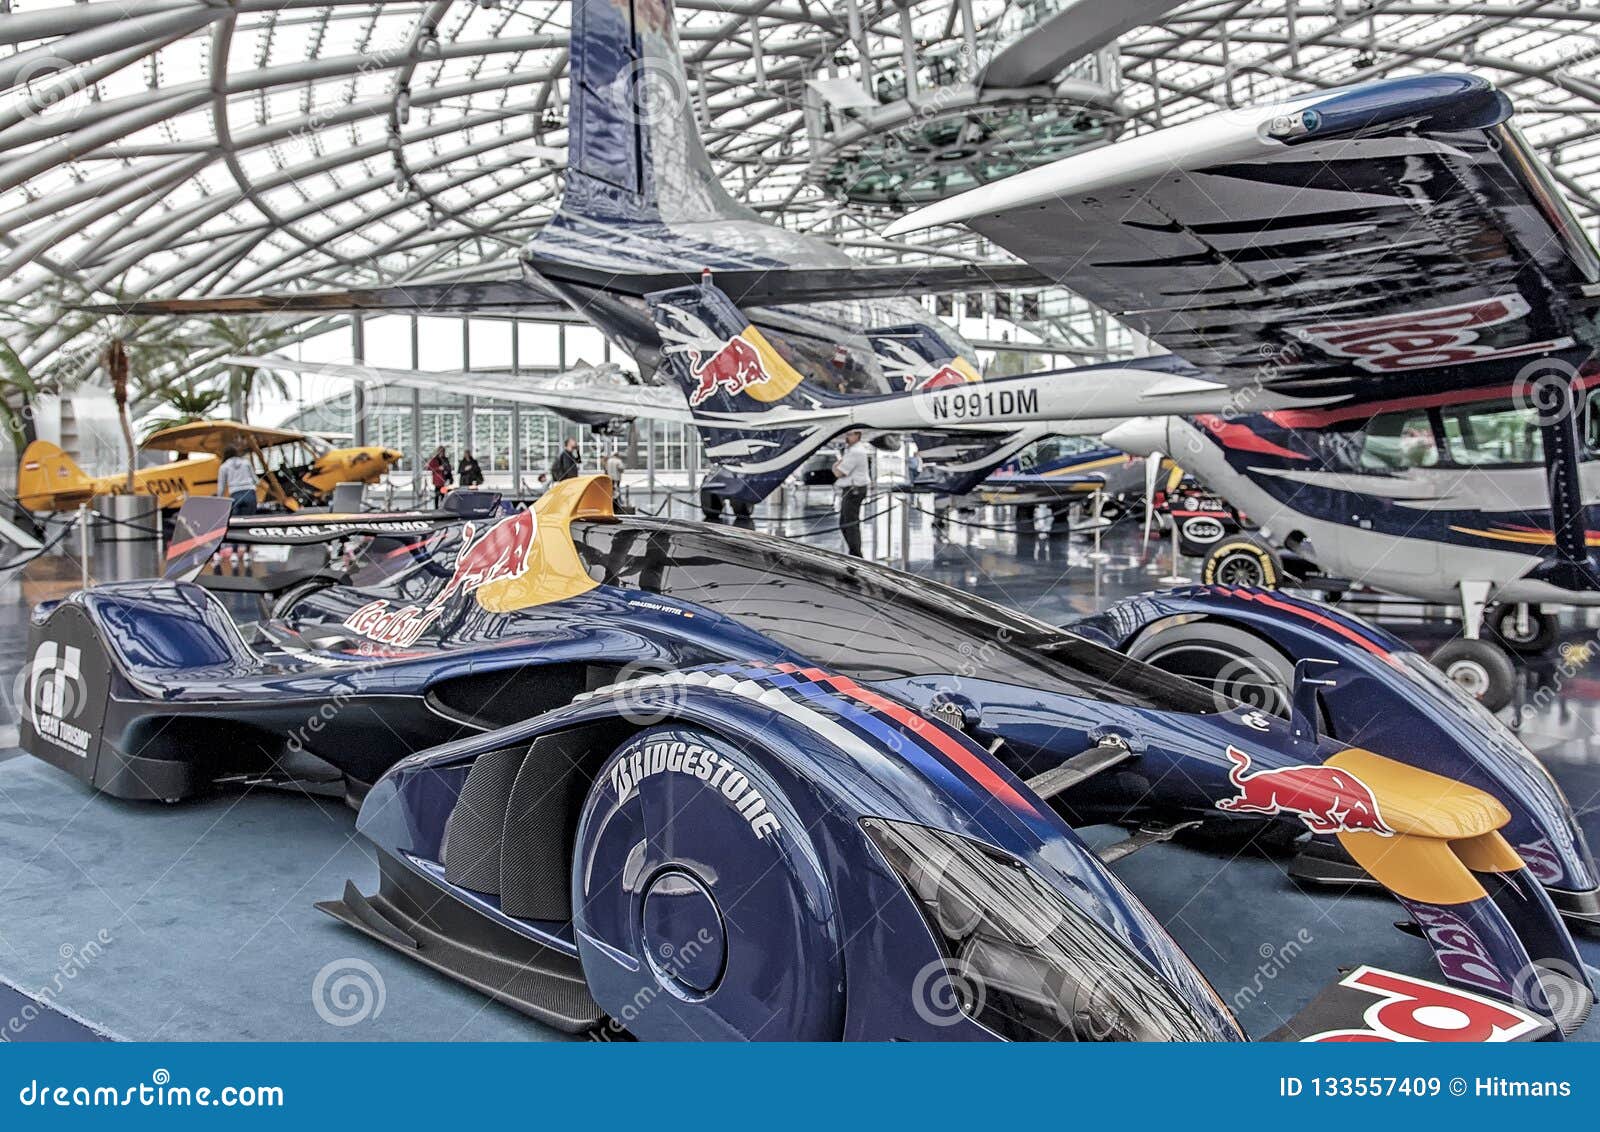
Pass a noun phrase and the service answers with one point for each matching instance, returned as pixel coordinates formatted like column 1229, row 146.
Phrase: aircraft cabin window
column 1396, row 441
column 1497, row 434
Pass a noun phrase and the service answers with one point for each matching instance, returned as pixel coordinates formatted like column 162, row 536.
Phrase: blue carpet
column 195, row 922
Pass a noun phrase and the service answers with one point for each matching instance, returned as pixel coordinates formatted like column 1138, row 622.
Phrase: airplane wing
column 757, row 287
column 471, row 297
column 584, row 392
column 776, row 286
column 1400, row 235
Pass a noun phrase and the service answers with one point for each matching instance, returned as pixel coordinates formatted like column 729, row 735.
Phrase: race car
column 696, row 781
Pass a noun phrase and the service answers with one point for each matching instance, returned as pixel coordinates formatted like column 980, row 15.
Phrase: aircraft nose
column 1138, row 436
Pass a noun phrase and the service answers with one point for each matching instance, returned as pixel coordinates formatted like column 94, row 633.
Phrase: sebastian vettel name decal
column 1328, row 799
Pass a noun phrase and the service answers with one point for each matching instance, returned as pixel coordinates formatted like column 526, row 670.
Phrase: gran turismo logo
column 56, row 696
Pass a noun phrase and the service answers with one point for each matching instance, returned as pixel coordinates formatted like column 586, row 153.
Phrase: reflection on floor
column 196, row 922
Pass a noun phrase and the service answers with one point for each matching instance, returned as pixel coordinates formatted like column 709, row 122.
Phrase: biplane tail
column 47, row 472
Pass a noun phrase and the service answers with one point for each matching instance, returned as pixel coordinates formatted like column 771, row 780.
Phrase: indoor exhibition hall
column 549, row 521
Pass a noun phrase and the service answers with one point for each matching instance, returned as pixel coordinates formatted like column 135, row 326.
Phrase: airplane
column 1060, row 470
column 306, row 471
column 1397, row 244
column 649, row 247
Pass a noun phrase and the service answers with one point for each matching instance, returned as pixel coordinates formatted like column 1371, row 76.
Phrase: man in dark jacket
column 568, row 463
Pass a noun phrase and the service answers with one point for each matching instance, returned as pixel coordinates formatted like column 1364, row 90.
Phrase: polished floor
column 195, row 921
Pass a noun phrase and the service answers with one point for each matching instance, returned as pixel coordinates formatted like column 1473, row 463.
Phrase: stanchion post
column 1098, row 555
column 83, row 543
column 905, row 531
column 1174, row 578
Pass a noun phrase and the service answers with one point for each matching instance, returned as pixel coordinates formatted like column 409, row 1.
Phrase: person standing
column 568, row 462
column 443, row 474
column 470, row 474
column 236, row 479
column 615, row 466
column 852, row 476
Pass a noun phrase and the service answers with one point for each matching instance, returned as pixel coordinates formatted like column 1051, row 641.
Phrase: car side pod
column 1490, row 924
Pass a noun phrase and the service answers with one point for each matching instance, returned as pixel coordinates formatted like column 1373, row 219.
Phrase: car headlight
column 1021, row 960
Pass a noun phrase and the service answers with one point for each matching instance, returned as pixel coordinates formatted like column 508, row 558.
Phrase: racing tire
column 284, row 603
column 1242, row 561
column 1232, row 664
column 700, row 907
column 1542, row 631
column 1480, row 668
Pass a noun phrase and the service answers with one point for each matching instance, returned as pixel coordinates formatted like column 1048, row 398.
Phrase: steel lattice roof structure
column 175, row 147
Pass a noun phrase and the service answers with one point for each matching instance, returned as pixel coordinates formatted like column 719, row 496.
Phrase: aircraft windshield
column 1053, row 448
column 1493, row 434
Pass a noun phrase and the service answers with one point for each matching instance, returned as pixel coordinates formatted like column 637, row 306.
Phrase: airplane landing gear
column 1479, row 668
column 1524, row 629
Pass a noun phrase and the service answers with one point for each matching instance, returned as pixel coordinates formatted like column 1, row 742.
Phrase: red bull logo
column 942, row 378
column 1328, row 799
column 1442, row 336
column 502, row 553
column 733, row 367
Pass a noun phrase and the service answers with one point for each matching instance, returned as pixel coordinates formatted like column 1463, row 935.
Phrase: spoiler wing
column 1400, row 234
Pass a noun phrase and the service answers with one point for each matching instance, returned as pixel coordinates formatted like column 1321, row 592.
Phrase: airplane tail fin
column 634, row 152
column 46, row 472
column 759, row 415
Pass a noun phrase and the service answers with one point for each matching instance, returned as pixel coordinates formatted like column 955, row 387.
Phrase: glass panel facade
column 491, row 438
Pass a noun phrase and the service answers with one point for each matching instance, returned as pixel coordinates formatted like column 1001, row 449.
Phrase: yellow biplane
column 294, row 469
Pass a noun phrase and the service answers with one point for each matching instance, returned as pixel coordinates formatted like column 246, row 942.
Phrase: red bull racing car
column 700, row 782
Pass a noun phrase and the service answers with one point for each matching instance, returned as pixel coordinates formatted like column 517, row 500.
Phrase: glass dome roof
column 182, row 147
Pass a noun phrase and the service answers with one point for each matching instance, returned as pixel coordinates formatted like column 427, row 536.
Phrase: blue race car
column 614, row 761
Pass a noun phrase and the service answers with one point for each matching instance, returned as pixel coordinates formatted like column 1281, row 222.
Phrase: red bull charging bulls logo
column 500, row 555
column 1328, row 800
column 733, row 367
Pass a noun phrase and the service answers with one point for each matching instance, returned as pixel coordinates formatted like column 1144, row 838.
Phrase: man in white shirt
column 852, row 476
column 236, row 479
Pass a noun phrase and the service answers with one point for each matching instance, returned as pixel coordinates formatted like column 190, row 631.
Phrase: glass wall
column 491, row 437
column 505, row 437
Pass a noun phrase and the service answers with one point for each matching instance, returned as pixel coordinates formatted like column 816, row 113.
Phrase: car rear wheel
column 701, row 910
column 1231, row 664
column 1242, row 561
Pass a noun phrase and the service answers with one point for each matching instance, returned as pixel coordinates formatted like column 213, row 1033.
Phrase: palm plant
column 18, row 390
column 183, row 402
